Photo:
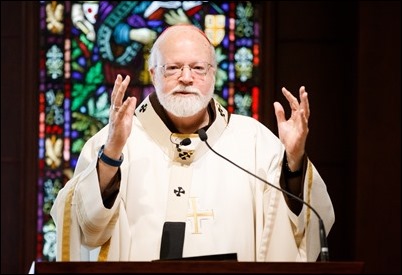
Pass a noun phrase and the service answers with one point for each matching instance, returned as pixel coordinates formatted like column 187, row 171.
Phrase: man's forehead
column 181, row 27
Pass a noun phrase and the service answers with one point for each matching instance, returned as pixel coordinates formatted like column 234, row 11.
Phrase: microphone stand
column 324, row 255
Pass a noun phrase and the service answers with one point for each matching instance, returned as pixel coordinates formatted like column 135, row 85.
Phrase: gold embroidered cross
column 195, row 216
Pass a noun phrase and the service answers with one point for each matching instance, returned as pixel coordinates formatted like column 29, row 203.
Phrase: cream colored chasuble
column 163, row 180
column 182, row 150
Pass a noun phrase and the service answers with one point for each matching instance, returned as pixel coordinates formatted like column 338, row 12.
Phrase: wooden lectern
column 193, row 267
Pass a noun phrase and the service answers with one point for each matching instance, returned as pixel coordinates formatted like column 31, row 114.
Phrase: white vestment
column 226, row 210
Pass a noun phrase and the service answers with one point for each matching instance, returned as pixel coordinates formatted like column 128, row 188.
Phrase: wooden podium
column 193, row 267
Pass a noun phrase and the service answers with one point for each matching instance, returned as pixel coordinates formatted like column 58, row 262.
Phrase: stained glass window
column 85, row 44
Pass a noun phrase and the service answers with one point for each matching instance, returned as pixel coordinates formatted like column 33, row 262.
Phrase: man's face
column 184, row 76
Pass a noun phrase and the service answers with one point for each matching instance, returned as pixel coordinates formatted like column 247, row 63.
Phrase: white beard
column 184, row 105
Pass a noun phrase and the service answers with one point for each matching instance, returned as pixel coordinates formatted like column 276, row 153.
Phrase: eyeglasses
column 198, row 68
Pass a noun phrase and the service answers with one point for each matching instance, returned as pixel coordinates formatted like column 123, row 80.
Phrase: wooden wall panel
column 378, row 200
column 315, row 48
column 19, row 134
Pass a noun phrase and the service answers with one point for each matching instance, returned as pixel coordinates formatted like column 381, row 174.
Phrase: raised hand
column 120, row 118
column 293, row 132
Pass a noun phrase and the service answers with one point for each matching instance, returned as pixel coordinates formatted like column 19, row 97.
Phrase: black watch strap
column 110, row 161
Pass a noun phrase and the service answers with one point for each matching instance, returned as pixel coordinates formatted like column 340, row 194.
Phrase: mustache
column 185, row 89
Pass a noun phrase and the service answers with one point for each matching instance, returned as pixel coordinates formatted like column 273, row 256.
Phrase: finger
column 116, row 87
column 279, row 112
column 293, row 102
column 119, row 90
column 303, row 119
column 304, row 101
column 118, row 101
column 128, row 106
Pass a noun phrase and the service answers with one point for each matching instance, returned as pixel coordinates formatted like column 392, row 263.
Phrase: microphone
column 323, row 237
column 184, row 142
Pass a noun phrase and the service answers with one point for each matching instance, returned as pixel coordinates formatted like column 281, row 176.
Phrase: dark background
column 347, row 54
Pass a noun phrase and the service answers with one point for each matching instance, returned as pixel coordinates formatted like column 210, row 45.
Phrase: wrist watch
column 110, row 161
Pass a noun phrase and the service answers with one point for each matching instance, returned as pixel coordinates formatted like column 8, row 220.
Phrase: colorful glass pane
column 85, row 44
